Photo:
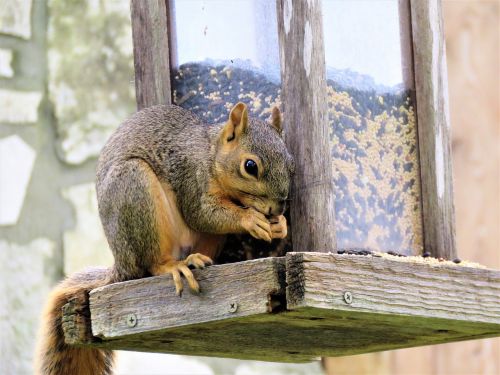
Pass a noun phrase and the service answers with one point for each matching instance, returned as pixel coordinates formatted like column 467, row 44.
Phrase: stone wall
column 33, row 215
column 66, row 81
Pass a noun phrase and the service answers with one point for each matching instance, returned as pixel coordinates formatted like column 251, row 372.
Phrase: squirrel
column 169, row 188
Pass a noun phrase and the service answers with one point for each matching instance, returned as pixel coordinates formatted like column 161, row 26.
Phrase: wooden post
column 307, row 132
column 433, row 128
column 151, row 59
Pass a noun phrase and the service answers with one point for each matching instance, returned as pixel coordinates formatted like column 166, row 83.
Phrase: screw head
column 233, row 307
column 131, row 320
column 348, row 297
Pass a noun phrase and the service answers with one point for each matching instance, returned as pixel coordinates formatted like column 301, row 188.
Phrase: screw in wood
column 233, row 307
column 348, row 297
column 131, row 320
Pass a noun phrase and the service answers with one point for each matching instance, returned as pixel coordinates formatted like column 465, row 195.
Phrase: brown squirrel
column 169, row 187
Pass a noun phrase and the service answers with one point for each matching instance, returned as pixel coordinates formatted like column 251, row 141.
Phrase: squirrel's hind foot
column 198, row 260
column 181, row 267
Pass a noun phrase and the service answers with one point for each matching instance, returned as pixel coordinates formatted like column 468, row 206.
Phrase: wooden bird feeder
column 373, row 176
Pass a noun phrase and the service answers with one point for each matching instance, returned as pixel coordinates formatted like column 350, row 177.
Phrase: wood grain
column 151, row 56
column 429, row 54
column 383, row 286
column 307, row 132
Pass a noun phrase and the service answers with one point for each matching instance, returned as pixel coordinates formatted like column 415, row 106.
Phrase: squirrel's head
column 252, row 163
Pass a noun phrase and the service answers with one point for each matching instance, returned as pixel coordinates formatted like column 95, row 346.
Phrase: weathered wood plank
column 402, row 287
column 303, row 78
column 395, row 304
column 300, row 336
column 431, row 83
column 228, row 291
column 76, row 322
column 151, row 56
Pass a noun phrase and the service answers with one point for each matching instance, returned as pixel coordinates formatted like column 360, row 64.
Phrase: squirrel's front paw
column 257, row 225
column 278, row 227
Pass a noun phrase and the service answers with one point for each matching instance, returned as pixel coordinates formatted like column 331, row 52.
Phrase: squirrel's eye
column 251, row 167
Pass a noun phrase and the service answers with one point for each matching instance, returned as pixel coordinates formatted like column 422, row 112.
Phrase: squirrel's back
column 163, row 136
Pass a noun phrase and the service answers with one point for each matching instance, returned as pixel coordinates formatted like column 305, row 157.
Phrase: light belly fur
column 176, row 234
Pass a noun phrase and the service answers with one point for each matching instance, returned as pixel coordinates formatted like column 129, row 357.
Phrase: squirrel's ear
column 276, row 120
column 237, row 123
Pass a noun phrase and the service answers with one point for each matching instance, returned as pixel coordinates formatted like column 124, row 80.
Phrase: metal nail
column 131, row 320
column 233, row 307
column 348, row 297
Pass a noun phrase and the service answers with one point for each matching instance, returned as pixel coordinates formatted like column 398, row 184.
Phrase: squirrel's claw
column 177, row 281
column 180, row 267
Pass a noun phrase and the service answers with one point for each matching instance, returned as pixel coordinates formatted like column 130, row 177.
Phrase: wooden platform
column 293, row 309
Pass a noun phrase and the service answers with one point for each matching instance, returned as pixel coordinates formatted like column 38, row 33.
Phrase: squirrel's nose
column 280, row 207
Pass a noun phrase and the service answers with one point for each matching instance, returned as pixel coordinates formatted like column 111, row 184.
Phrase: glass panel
column 225, row 51
column 374, row 134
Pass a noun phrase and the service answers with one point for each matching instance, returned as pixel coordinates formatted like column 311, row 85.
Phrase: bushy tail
column 53, row 355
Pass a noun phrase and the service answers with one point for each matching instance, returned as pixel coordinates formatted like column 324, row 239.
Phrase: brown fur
column 169, row 188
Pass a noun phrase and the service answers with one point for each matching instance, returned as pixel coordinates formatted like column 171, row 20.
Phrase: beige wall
column 472, row 36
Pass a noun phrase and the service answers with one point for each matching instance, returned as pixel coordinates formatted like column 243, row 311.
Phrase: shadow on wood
column 294, row 309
